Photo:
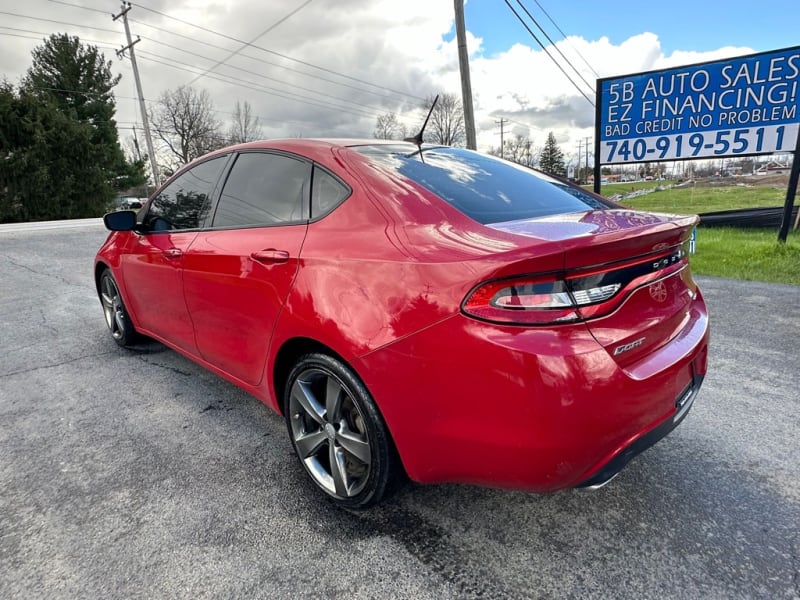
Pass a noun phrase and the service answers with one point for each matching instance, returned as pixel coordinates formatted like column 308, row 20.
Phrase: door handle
column 173, row 253
column 270, row 256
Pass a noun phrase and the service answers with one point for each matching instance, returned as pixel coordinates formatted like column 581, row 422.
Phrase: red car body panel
column 381, row 280
column 235, row 299
column 153, row 267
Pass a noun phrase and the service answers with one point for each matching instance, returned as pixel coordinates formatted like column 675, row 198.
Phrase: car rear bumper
column 539, row 409
column 611, row 468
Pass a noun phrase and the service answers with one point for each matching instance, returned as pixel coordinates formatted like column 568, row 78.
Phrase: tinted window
column 484, row 188
column 264, row 189
column 327, row 193
column 184, row 203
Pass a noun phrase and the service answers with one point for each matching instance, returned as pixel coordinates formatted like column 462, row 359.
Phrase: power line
column 237, row 81
column 265, row 62
column 543, row 47
column 97, row 42
column 263, row 89
column 224, row 49
column 2, row 12
column 552, row 43
column 564, row 35
column 97, row 10
column 148, row 100
column 243, row 46
column 39, row 39
column 83, row 92
column 256, row 74
column 284, row 56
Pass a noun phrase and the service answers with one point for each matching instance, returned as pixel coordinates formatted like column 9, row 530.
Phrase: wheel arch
column 289, row 353
column 102, row 265
column 99, row 267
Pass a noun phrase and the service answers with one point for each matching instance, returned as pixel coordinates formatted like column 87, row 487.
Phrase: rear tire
column 116, row 315
column 338, row 433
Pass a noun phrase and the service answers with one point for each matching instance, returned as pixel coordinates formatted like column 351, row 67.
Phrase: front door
column 152, row 266
column 153, row 269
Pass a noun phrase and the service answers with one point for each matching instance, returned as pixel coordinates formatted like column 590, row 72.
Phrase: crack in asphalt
column 58, row 364
column 42, row 273
column 796, row 565
column 167, row 367
column 45, row 324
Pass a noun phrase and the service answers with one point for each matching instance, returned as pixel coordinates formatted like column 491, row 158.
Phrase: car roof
column 314, row 148
column 308, row 143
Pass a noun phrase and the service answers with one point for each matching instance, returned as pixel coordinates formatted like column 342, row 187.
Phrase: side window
column 264, row 189
column 327, row 193
column 184, row 203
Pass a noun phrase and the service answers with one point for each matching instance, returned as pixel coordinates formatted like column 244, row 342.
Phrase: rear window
column 484, row 188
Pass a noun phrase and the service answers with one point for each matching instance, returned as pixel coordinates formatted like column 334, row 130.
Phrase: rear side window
column 265, row 189
column 185, row 202
column 486, row 189
column 327, row 193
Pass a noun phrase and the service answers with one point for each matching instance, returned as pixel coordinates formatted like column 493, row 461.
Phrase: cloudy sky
column 325, row 68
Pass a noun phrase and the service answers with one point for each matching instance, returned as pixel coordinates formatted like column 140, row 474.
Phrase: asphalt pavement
column 137, row 474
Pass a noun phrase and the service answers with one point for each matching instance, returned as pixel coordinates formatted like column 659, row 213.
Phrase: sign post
column 791, row 190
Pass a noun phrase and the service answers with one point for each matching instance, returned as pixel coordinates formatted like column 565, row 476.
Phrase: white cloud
column 406, row 47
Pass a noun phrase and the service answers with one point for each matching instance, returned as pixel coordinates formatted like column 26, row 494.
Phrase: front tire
column 116, row 315
column 338, row 433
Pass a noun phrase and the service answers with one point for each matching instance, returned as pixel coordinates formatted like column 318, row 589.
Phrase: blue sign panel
column 738, row 106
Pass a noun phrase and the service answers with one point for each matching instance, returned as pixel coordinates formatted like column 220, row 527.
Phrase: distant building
column 772, row 168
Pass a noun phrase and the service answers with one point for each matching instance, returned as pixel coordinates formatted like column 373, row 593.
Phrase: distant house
column 773, row 168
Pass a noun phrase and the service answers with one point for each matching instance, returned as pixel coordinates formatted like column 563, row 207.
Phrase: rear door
column 238, row 274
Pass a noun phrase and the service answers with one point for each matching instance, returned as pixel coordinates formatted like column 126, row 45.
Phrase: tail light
column 554, row 299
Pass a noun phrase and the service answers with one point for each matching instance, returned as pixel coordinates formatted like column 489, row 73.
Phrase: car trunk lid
column 627, row 273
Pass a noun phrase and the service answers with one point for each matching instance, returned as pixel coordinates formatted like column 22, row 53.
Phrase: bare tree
column 245, row 127
column 446, row 125
column 387, row 127
column 519, row 149
column 184, row 121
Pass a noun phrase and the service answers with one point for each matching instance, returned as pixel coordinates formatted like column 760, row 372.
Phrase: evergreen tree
column 60, row 155
column 552, row 158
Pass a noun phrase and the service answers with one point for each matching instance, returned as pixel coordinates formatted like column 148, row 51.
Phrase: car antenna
column 417, row 139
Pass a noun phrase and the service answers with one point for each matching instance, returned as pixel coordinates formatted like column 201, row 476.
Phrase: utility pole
column 126, row 6
column 580, row 153
column 502, row 145
column 587, row 156
column 466, row 86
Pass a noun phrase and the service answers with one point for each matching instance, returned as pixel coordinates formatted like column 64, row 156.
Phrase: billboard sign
column 734, row 107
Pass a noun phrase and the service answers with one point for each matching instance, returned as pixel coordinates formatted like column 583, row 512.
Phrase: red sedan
column 422, row 311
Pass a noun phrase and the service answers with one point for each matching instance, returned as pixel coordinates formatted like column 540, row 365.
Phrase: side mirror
column 121, row 220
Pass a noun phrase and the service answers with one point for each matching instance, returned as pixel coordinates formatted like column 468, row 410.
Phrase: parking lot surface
column 137, row 474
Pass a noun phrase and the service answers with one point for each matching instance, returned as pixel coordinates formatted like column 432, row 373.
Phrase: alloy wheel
column 113, row 309
column 329, row 432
